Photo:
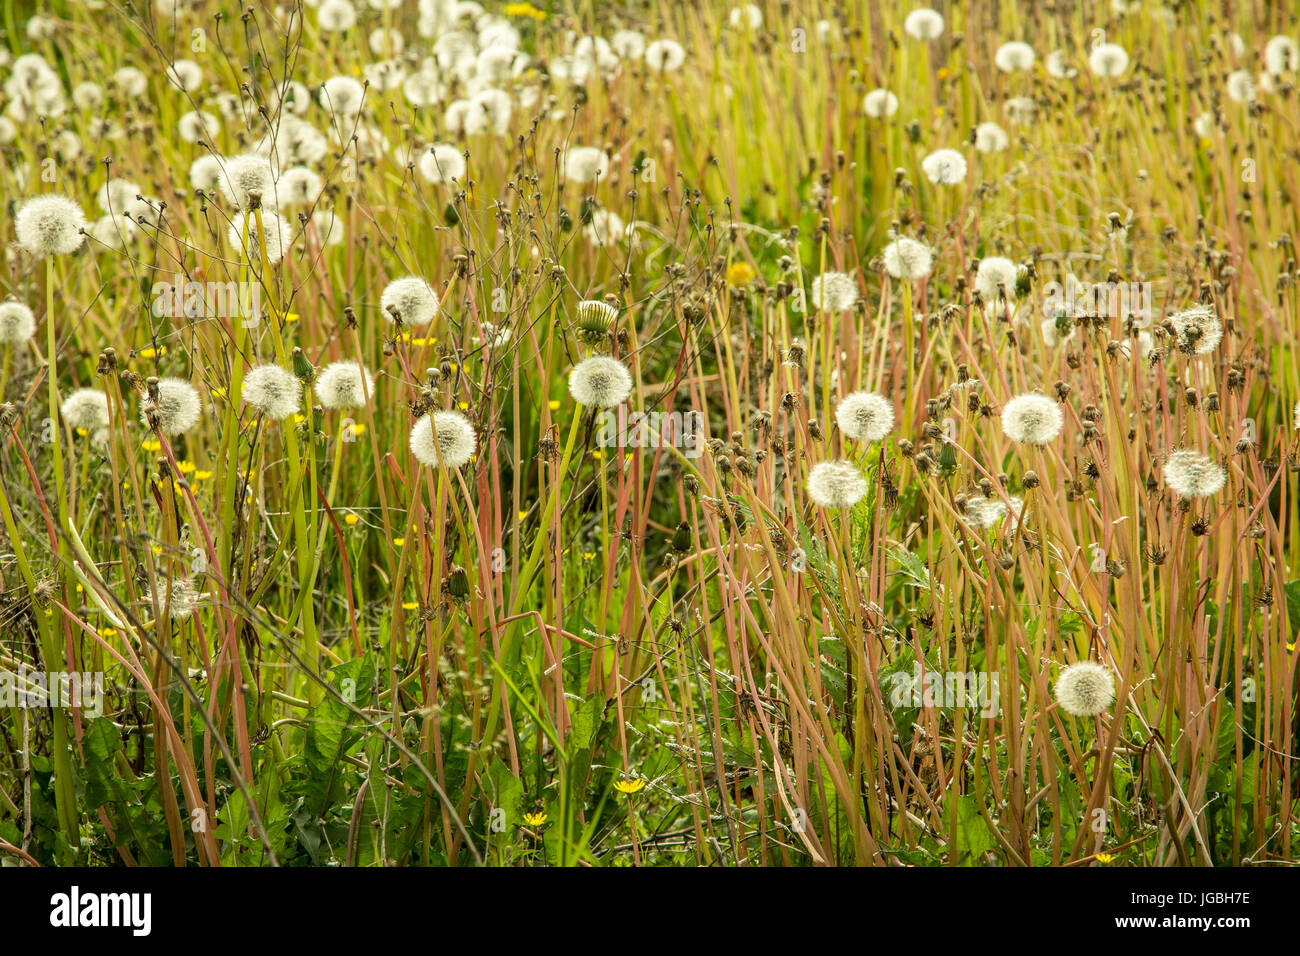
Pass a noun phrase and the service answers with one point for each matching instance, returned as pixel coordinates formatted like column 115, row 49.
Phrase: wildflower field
column 648, row 434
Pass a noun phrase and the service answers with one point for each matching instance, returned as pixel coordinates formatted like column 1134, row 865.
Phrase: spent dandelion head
column 443, row 436
column 836, row 484
column 908, row 259
column 1085, row 689
column 600, row 382
column 177, row 408
column 1032, row 419
column 274, row 391
column 945, row 167
column 344, row 384
column 1190, row 474
column 50, row 225
column 865, row 416
column 834, row 292
column 17, row 323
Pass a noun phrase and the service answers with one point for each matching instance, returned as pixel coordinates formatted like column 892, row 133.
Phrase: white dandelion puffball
column 131, row 81
column 278, row 235
column 628, row 44
column 1108, row 60
column 606, row 228
column 17, row 323
column 335, row 16
column 205, row 173
column 834, row 292
column 452, row 445
column 924, row 24
column 984, row 513
column 178, row 597
column 600, row 382
column 1189, row 474
column 1032, row 419
column 1085, row 689
column 1014, row 56
column 274, row 391
column 443, row 163
column 879, row 104
column 196, row 126
column 178, row 407
column 86, row 409
column 185, row 75
column 342, row 96
column 865, row 416
column 908, row 259
column 1058, row 66
column 423, row 88
column 665, row 56
column 991, row 138
column 836, row 484
column 748, row 16
column 945, row 167
column 1197, row 331
column 344, row 384
column 1052, row 333
column 50, row 225
column 1241, row 86
column 413, row 299
column 329, row 227
column 246, row 174
column 298, row 186
column 1281, row 56
column 585, row 164
column 996, row 276
column 1021, row 110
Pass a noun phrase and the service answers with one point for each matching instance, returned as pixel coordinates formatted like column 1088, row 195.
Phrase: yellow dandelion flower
column 150, row 444
column 399, row 541
column 525, row 10
column 535, row 819
column 186, row 466
column 1105, row 857
column 82, row 432
column 350, row 519
column 740, row 274
column 202, row 474
column 589, row 555
column 218, row 393
column 356, row 428
column 107, row 632
column 291, row 317
column 410, row 605
column 150, row 352
column 463, row 406
column 554, row 404
column 629, row 785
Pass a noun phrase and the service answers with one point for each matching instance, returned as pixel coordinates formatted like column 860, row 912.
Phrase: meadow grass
column 326, row 637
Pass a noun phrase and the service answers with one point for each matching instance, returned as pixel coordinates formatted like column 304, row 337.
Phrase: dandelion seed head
column 1241, row 86
column 245, row 174
column 991, row 138
column 1058, row 66
column 178, row 597
column 584, row 164
column 1085, row 689
column 196, row 126
column 834, row 292
column 413, row 298
column 908, row 259
column 996, row 276
column 335, row 16
column 178, row 407
column 205, row 172
column 749, row 15
column 628, row 44
column 454, row 440
column 86, row 409
column 131, row 82
column 298, row 186
column 944, row 167
column 342, row 95
column 665, row 56
column 50, row 225
column 274, row 391
column 1197, row 330
column 1281, row 56
column 1108, row 60
column 1014, row 56
column 983, row 513
column 924, row 24
column 879, row 104
column 836, row 484
column 344, row 384
column 1190, row 474
column 1032, row 419
column 600, row 382
column 17, row 323
column 443, row 163
column 865, row 416
column 278, row 235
